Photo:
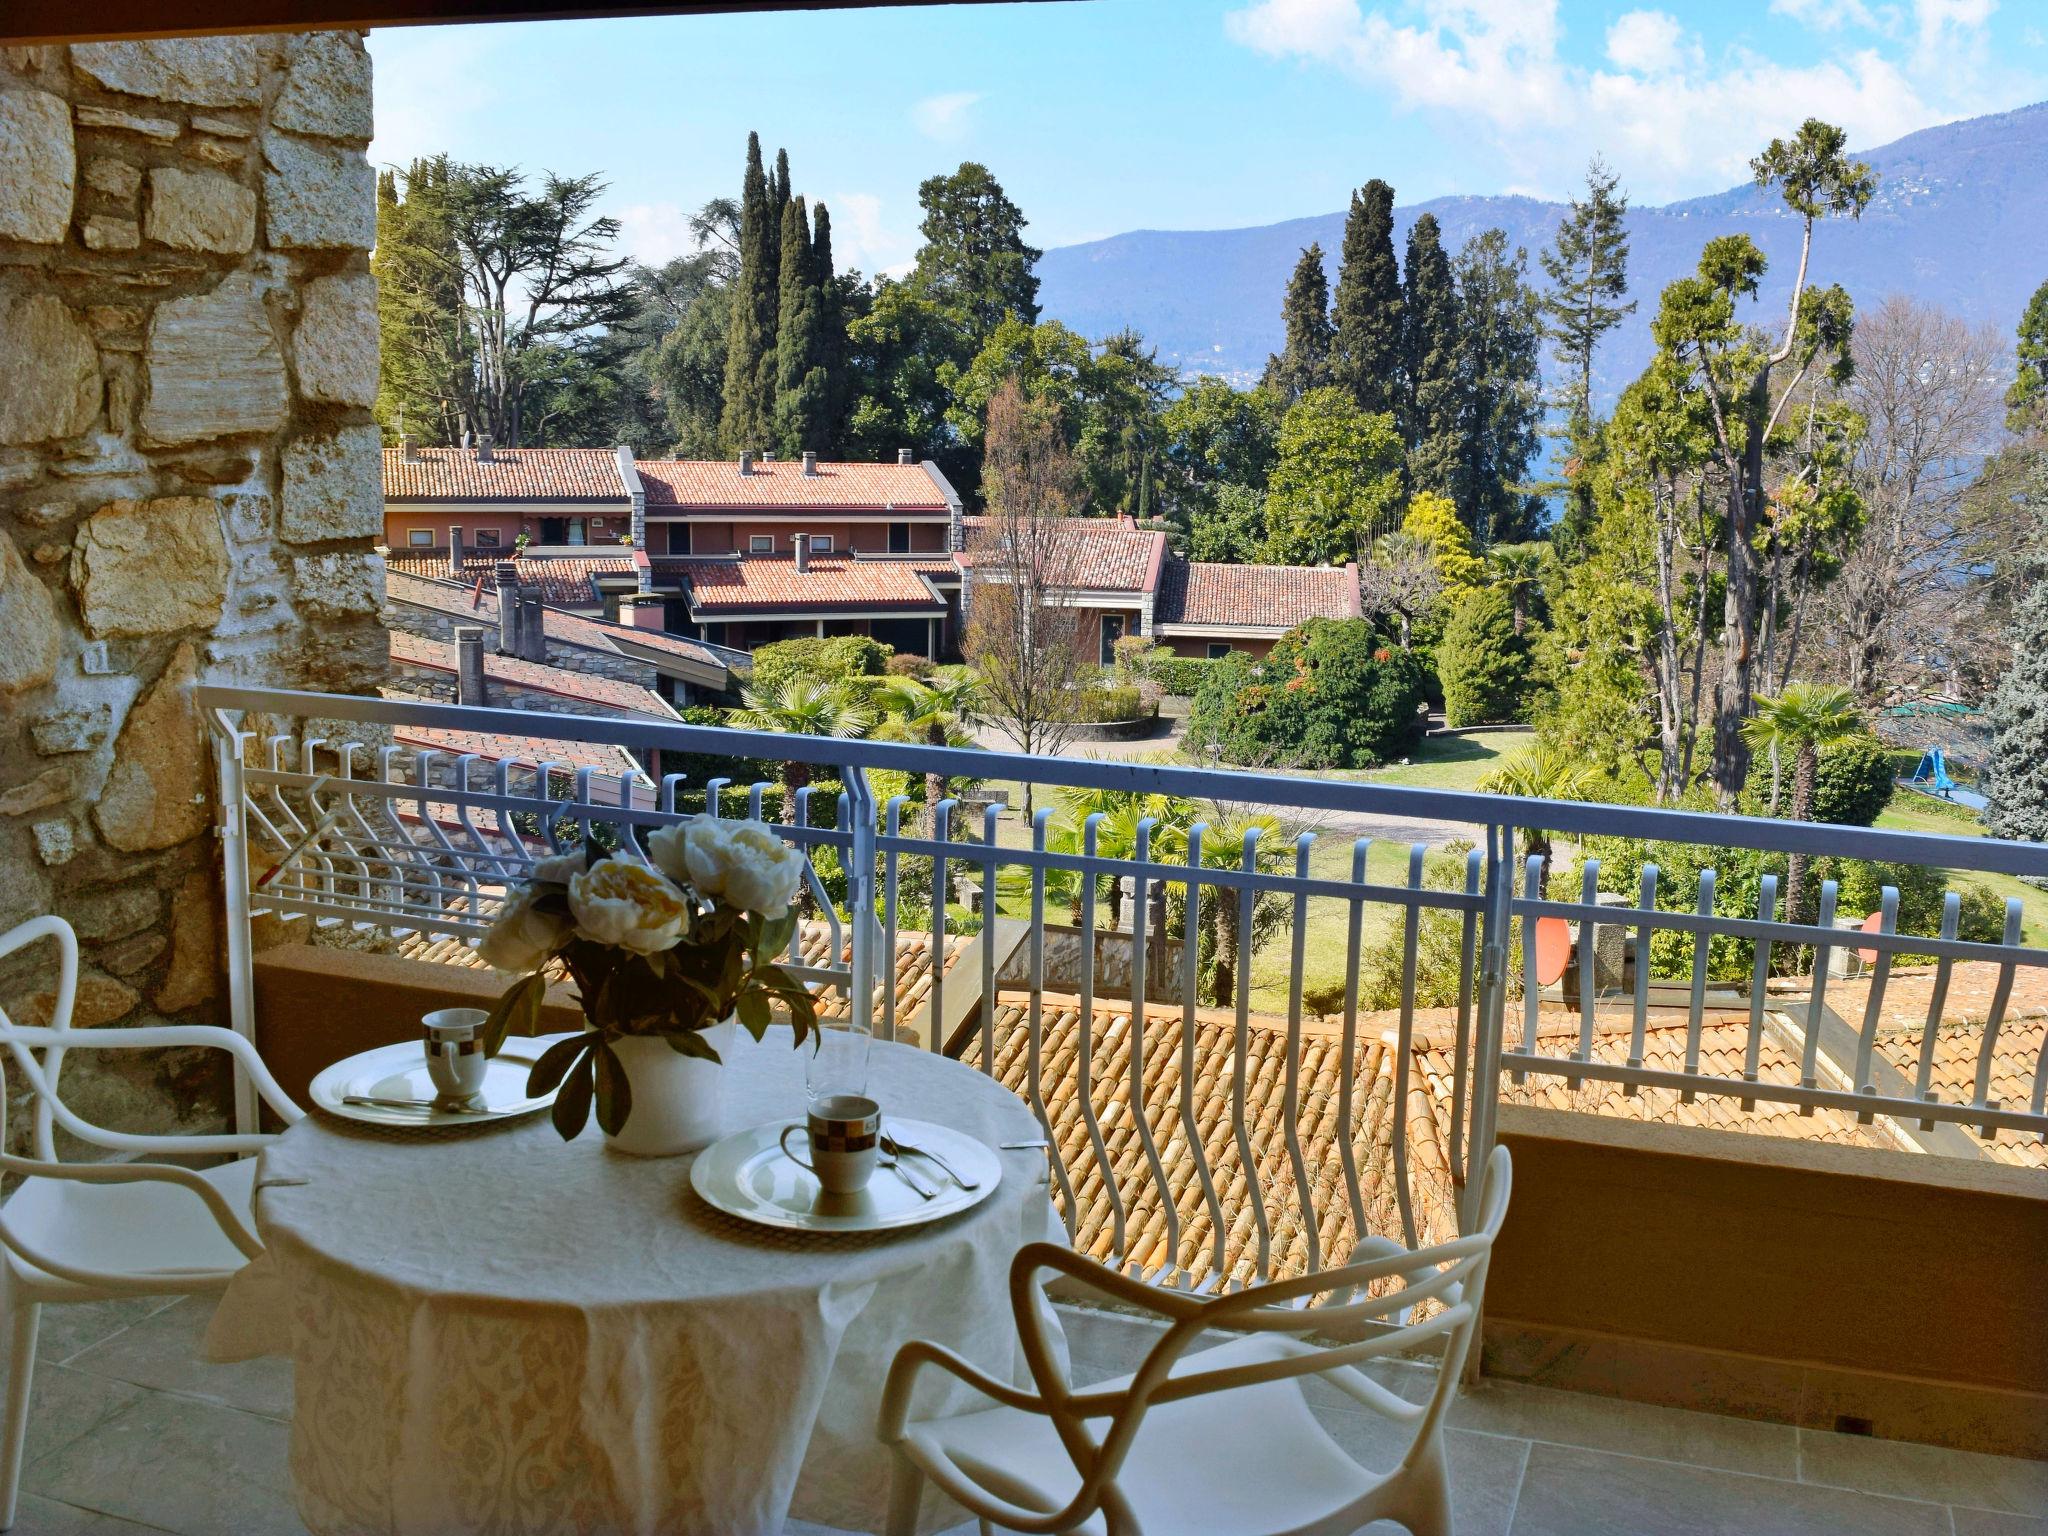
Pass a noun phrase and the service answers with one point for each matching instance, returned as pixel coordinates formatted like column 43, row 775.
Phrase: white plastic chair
column 76, row 1232
column 1219, row 1443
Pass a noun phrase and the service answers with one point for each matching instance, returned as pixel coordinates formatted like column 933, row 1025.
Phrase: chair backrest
column 22, row 1041
column 1451, row 1276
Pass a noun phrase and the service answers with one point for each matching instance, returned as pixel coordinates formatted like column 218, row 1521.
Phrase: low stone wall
column 189, row 490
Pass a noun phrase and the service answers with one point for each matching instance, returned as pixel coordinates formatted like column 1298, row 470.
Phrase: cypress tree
column 750, row 359
column 833, row 346
column 778, row 204
column 1429, row 363
column 1303, row 362
column 802, row 389
column 1365, row 358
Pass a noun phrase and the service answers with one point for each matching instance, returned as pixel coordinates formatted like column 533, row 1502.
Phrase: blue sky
column 1107, row 115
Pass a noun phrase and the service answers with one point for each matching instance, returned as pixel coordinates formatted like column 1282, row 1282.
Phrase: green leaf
column 754, row 1011
column 554, row 1064
column 689, row 1042
column 521, row 1000
column 614, row 1092
column 572, row 1104
column 775, row 934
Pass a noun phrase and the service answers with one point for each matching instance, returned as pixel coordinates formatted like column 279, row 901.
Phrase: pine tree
column 2030, row 383
column 1587, row 265
column 1430, row 424
column 1501, row 398
column 1303, row 363
column 1365, row 355
column 2018, row 787
column 427, row 352
column 749, row 415
column 802, row 387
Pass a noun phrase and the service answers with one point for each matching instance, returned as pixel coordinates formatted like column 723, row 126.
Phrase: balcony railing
column 1193, row 1145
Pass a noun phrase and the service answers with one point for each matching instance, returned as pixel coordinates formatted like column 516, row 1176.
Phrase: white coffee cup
column 455, row 1051
column 844, row 1131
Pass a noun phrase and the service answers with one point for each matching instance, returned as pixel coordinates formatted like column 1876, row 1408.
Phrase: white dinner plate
column 748, row 1175
column 400, row 1072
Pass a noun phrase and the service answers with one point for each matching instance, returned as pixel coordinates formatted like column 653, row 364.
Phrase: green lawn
column 1913, row 812
column 1446, row 762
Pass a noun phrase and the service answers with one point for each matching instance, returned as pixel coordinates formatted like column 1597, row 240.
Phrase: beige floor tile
column 165, row 1351
column 1984, row 1522
column 1629, row 1429
column 1903, row 1469
column 1568, row 1491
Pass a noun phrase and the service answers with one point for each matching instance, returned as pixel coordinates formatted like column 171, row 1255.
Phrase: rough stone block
column 55, row 843
column 200, row 211
column 336, row 342
column 194, row 941
column 53, row 786
column 317, row 195
column 218, row 152
column 214, row 367
column 204, row 71
column 99, row 1000
column 37, row 167
column 333, row 487
column 155, row 794
column 104, row 232
column 115, row 178
column 31, row 640
column 51, row 385
column 115, row 912
column 160, row 129
column 338, row 586
column 129, row 956
column 327, row 89
column 226, row 127
column 79, row 729
column 149, row 567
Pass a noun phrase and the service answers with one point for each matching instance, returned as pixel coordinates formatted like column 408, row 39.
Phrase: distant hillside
column 1960, row 219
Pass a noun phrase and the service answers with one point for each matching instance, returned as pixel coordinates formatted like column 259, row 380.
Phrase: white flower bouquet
column 668, row 949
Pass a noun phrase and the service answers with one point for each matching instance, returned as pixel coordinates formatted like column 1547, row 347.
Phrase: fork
column 923, row 1190
column 898, row 1148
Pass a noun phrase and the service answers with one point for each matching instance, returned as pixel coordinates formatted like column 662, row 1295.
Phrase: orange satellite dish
column 1553, row 949
column 1871, row 924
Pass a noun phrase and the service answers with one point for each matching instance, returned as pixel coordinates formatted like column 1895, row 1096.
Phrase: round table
column 497, row 1330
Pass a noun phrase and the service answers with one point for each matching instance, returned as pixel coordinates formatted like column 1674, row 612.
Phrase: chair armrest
column 225, row 1216
column 153, row 1037
column 903, row 1371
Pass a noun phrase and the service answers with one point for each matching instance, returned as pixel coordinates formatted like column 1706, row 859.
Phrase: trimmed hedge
column 834, row 660
column 1854, row 784
column 1180, row 675
column 1120, row 702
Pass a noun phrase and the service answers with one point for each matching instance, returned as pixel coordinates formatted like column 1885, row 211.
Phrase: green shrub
column 1483, row 663
column 697, row 767
column 1855, row 782
column 1330, row 694
column 1120, row 702
column 1180, row 675
column 835, row 660
column 904, row 664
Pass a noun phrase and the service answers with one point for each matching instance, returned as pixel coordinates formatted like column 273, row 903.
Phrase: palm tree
column 1542, row 771
column 939, row 711
column 1801, row 720
column 803, row 706
column 1518, row 570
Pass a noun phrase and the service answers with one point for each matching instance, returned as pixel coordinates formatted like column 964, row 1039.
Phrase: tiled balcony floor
column 131, row 1433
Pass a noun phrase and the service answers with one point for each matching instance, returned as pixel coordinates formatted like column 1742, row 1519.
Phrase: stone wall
column 189, row 487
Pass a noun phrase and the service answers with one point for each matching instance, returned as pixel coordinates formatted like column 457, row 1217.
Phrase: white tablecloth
column 498, row 1331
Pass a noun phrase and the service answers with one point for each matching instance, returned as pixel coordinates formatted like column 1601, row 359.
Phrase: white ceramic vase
column 678, row 1100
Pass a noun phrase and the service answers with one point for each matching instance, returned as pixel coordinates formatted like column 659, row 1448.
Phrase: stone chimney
column 533, row 629
column 483, row 449
column 508, row 608
column 455, row 552
column 408, row 449
column 746, row 461
column 905, row 456
column 810, row 463
column 767, row 455
column 469, row 667
column 803, row 552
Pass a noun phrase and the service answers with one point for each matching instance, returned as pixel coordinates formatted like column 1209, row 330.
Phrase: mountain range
column 1960, row 219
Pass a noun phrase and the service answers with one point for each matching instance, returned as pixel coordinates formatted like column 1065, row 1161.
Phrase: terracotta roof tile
column 716, row 485
column 529, row 750
column 562, row 628
column 756, row 583
column 1275, row 597
column 565, row 581
column 440, row 655
column 1094, row 554
column 513, row 474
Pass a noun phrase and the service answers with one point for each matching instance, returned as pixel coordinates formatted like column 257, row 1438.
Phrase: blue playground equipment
column 1931, row 777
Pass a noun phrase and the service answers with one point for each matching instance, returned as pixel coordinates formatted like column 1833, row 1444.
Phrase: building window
column 899, row 538
column 487, row 538
column 1218, row 650
column 821, row 543
column 420, row 538
column 760, row 543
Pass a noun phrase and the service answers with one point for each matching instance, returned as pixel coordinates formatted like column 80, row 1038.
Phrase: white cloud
column 945, row 116
column 435, row 86
column 1673, row 119
column 1649, row 43
column 862, row 238
column 655, row 232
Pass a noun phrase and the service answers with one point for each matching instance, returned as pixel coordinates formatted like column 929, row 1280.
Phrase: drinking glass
column 838, row 1063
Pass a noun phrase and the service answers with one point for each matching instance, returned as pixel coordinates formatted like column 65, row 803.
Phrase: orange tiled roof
column 561, row 628
column 716, row 485
column 1100, row 554
column 565, row 581
column 1276, row 597
column 531, row 751
column 754, row 583
column 513, row 474
column 440, row 655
